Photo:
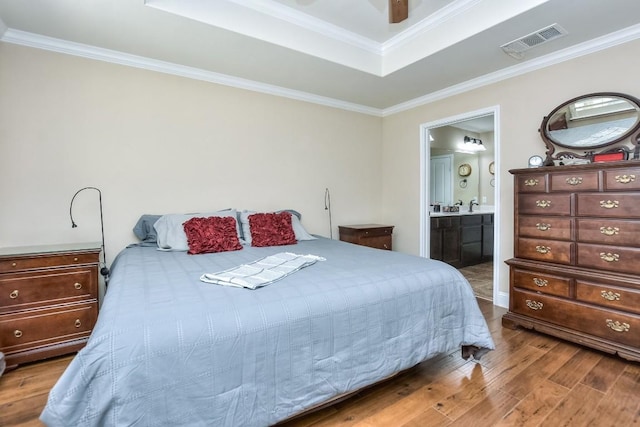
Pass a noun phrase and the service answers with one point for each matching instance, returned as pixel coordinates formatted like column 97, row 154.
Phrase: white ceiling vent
column 516, row 48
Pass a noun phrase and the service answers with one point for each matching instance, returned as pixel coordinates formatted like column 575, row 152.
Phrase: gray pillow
column 144, row 229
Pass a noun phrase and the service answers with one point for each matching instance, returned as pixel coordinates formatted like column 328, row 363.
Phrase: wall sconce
column 473, row 144
column 103, row 270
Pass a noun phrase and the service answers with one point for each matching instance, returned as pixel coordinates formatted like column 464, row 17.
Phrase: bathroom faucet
column 459, row 203
column 471, row 203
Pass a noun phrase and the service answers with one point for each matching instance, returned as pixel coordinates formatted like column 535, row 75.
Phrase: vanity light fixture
column 472, row 144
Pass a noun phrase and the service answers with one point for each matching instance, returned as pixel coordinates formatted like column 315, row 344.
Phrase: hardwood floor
column 529, row 380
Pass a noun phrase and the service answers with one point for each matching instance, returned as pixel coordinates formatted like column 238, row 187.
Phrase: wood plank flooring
column 529, row 380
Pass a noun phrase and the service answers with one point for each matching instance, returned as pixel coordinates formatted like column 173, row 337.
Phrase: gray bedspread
column 170, row 350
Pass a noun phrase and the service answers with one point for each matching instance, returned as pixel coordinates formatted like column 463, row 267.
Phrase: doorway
column 446, row 137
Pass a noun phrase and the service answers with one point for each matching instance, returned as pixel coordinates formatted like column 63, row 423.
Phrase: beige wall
column 156, row 143
column 523, row 102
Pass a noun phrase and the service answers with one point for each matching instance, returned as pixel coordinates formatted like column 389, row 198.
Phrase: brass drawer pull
column 13, row 264
column 625, row 179
column 610, row 296
column 609, row 257
column 531, row 182
column 75, row 259
column 617, row 326
column 542, row 226
column 574, row 180
column 14, row 294
column 609, row 204
column 78, row 323
column 534, row 305
column 17, row 333
column 543, row 249
column 540, row 282
column 543, row 203
column 609, row 231
column 77, row 285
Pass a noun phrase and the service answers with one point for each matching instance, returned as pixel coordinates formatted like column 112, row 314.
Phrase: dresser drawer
column 546, row 227
column 625, row 299
column 541, row 282
column 532, row 183
column 609, row 231
column 620, row 327
column 545, row 204
column 39, row 288
column 612, row 205
column 575, row 181
column 31, row 262
column 622, row 179
column 545, row 250
column 611, row 258
column 43, row 327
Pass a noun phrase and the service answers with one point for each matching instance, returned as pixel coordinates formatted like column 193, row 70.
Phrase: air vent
column 517, row 47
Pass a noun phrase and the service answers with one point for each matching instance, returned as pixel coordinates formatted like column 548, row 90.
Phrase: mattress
column 171, row 350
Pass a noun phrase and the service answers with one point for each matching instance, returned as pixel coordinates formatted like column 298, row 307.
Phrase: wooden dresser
column 48, row 300
column 576, row 271
column 372, row 235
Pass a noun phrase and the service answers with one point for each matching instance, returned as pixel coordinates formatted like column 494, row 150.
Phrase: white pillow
column 298, row 229
column 170, row 230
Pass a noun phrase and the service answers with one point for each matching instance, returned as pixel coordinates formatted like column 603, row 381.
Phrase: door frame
column 499, row 298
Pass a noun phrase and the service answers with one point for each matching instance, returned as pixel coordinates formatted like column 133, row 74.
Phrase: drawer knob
column 14, row 294
column 543, row 249
column 531, row 182
column 609, row 257
column 17, row 333
column 610, row 296
column 75, row 259
column 617, row 326
column 609, row 231
column 574, row 180
column 540, row 282
column 625, row 179
column 77, row 285
column 543, row 203
column 13, row 264
column 609, row 204
column 542, row 226
column 534, row 305
column 78, row 323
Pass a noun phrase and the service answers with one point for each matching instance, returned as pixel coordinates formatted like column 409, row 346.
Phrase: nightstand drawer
column 44, row 327
column 371, row 235
column 32, row 289
column 8, row 265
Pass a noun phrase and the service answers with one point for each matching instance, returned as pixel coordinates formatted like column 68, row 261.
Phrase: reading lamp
column 104, row 270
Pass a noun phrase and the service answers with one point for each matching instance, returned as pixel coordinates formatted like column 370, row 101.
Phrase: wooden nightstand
column 48, row 300
column 372, row 235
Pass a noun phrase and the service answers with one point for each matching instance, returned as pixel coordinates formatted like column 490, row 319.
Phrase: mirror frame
column 621, row 141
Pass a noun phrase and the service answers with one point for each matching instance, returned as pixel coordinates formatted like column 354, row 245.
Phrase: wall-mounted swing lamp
column 103, row 270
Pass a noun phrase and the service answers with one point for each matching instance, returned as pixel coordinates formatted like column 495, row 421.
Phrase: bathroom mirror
column 591, row 124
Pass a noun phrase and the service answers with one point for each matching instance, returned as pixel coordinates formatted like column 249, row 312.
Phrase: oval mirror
column 592, row 121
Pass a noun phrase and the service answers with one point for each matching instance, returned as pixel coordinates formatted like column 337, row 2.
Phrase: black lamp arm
column 104, row 271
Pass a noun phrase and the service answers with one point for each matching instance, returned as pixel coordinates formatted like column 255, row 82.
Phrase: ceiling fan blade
column 398, row 10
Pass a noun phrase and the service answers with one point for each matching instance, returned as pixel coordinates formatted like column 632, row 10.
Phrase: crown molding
column 86, row 51
column 601, row 43
column 92, row 52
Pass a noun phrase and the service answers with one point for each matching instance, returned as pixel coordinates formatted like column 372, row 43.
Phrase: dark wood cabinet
column 48, row 300
column 371, row 235
column 462, row 240
column 576, row 270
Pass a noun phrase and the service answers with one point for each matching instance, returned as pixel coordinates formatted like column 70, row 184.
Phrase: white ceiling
column 342, row 53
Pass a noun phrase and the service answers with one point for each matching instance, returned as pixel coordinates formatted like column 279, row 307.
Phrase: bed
column 169, row 349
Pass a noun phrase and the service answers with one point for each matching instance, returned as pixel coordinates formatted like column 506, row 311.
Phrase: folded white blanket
column 261, row 272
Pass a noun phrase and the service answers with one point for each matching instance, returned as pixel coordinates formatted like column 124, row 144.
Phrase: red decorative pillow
column 212, row 234
column 271, row 229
